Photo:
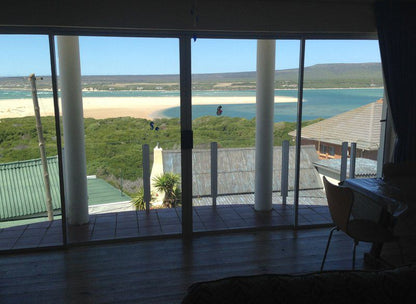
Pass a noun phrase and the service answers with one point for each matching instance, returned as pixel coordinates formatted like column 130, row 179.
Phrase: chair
column 340, row 201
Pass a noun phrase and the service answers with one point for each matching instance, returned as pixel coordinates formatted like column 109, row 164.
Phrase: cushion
column 389, row 286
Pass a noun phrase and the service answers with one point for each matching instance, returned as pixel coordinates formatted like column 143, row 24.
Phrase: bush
column 169, row 184
column 138, row 201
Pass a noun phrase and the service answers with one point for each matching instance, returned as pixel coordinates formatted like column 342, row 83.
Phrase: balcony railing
column 213, row 212
column 283, row 184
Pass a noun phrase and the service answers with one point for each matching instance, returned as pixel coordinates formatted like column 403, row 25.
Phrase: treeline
column 113, row 146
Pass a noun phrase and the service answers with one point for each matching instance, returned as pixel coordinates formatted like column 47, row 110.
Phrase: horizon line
column 209, row 73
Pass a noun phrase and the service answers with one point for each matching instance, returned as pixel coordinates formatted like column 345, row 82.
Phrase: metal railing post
column 146, row 175
column 121, row 182
column 353, row 155
column 284, row 185
column 214, row 173
column 343, row 171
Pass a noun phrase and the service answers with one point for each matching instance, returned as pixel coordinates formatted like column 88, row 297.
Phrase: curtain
column 396, row 25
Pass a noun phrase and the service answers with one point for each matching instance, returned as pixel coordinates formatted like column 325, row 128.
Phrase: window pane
column 342, row 103
column 30, row 208
column 128, row 84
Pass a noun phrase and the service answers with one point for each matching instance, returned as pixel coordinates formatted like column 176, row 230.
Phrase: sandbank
column 110, row 107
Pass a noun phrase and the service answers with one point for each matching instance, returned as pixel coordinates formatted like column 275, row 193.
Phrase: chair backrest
column 340, row 200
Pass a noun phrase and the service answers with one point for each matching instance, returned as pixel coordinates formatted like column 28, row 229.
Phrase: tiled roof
column 22, row 190
column 363, row 167
column 236, row 169
column 360, row 125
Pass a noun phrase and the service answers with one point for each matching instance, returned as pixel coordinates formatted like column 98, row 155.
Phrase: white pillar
column 75, row 174
column 264, row 124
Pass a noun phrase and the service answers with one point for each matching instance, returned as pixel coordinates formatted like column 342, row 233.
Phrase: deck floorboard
column 233, row 212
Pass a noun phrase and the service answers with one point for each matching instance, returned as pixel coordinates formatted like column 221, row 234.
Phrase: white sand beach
column 110, row 107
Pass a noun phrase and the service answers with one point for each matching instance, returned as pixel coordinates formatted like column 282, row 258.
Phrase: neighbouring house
column 361, row 125
column 331, row 168
column 22, row 191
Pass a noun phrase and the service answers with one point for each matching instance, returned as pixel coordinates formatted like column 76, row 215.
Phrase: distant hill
column 316, row 76
column 335, row 70
column 339, row 75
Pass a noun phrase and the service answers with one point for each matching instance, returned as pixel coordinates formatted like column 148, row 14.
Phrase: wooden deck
column 233, row 212
column 160, row 223
column 160, row 271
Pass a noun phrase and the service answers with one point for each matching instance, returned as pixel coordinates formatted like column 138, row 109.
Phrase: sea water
column 318, row 103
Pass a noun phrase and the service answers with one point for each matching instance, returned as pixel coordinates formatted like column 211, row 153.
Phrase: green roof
column 22, row 190
column 101, row 192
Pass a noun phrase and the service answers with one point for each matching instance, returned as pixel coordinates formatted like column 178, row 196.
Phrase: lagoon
column 318, row 103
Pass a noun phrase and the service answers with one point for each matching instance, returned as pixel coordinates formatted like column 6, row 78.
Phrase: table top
column 386, row 194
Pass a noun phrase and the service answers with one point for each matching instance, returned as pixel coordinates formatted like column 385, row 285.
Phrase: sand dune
column 108, row 107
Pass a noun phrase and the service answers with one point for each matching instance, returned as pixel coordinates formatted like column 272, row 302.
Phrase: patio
column 231, row 214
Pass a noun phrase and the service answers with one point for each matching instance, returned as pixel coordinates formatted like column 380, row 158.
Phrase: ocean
column 318, row 103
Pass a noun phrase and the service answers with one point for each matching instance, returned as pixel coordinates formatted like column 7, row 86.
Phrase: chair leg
column 327, row 246
column 353, row 254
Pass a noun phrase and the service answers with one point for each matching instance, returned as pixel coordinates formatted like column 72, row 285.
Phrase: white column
column 264, row 124
column 75, row 174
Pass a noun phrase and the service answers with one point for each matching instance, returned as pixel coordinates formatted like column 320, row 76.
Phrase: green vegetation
column 169, row 184
column 114, row 146
column 138, row 201
column 233, row 132
column 19, row 140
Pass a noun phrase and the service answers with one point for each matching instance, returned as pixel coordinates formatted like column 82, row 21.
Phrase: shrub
column 169, row 184
column 138, row 200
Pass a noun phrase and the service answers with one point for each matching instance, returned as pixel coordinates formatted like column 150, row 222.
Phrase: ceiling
column 202, row 17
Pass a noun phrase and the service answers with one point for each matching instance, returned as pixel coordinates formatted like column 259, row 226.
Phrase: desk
column 377, row 200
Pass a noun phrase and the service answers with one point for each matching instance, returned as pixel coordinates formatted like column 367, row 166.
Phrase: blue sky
column 21, row 55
